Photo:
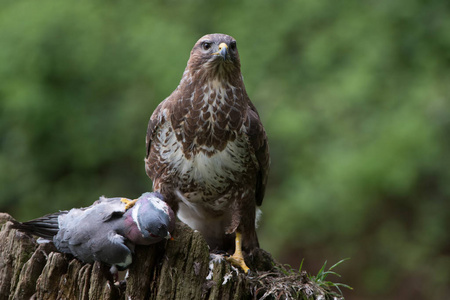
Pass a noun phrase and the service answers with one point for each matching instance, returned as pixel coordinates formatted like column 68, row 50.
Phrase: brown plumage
column 207, row 150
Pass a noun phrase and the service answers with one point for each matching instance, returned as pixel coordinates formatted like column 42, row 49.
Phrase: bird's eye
column 206, row 45
column 233, row 45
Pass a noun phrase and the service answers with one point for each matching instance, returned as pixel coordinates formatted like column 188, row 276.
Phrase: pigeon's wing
column 48, row 226
column 80, row 227
column 109, row 248
column 109, row 208
column 102, row 210
column 113, row 250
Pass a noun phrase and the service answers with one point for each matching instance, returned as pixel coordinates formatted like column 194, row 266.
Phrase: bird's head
column 153, row 218
column 215, row 53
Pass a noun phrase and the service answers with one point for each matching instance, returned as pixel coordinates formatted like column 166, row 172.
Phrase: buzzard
column 207, row 150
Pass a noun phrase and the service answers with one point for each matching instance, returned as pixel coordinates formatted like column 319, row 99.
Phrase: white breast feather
column 201, row 167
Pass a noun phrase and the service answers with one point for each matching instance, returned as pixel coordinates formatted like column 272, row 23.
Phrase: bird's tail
column 45, row 227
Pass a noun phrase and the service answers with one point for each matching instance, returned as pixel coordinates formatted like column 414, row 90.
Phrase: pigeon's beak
column 223, row 51
column 169, row 236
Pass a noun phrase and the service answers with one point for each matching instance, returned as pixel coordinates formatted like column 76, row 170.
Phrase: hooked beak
column 223, row 51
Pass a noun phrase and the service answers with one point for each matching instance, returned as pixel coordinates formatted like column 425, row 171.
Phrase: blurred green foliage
column 354, row 96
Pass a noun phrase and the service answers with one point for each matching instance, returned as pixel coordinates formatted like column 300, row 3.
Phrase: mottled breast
column 209, row 171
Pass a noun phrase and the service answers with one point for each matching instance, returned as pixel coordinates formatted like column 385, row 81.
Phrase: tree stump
column 181, row 268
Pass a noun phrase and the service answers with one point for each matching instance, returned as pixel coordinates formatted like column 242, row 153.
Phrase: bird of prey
column 207, row 150
column 105, row 231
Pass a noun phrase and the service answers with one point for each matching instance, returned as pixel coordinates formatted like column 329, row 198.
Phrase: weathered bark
column 179, row 269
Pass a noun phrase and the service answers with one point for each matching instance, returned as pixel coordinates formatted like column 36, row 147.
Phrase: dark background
column 354, row 96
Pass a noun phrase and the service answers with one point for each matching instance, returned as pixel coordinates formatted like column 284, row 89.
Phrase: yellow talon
column 237, row 259
column 129, row 203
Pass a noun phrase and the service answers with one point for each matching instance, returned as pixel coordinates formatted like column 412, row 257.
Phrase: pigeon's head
column 152, row 220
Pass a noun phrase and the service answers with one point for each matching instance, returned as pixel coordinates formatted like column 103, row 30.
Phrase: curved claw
column 237, row 259
column 129, row 203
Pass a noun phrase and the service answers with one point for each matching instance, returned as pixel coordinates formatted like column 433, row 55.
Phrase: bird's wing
column 111, row 249
column 153, row 124
column 102, row 245
column 153, row 162
column 80, row 224
column 111, row 208
column 258, row 142
column 90, row 234
column 108, row 208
